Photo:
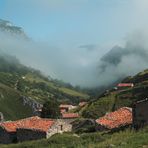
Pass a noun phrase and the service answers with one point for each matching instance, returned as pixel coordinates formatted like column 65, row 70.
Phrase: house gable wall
column 60, row 126
column 6, row 137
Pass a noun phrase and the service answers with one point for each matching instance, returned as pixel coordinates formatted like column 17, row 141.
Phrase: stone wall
column 60, row 126
column 140, row 114
column 5, row 137
column 28, row 134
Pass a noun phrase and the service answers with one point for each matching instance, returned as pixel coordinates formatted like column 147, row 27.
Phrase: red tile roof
column 125, row 85
column 9, row 126
column 121, row 117
column 70, row 115
column 34, row 123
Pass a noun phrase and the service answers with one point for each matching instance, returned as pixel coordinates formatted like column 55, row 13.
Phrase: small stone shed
column 41, row 128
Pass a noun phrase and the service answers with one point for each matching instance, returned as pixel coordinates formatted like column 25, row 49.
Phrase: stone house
column 44, row 128
column 140, row 113
column 115, row 120
column 66, row 107
column 32, row 128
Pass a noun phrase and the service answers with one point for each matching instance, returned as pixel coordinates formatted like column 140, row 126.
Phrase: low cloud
column 89, row 47
column 85, row 65
column 120, row 62
column 75, row 66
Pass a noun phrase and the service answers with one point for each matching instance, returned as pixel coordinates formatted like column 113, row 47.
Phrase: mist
column 79, row 41
column 76, row 66
column 84, row 65
column 126, row 60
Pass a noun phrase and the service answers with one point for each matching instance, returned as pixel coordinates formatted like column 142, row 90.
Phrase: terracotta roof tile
column 125, row 85
column 121, row 117
column 34, row 123
column 70, row 115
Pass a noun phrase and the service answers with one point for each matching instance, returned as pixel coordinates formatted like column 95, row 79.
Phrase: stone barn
column 115, row 120
column 32, row 128
column 41, row 128
column 140, row 113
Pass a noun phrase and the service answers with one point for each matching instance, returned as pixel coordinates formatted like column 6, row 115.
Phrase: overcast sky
column 85, row 29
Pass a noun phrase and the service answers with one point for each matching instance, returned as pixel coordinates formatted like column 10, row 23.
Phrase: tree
column 50, row 109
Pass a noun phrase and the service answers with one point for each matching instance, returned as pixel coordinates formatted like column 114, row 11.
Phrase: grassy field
column 34, row 78
column 99, row 107
column 73, row 92
column 127, row 139
column 11, row 105
column 123, row 139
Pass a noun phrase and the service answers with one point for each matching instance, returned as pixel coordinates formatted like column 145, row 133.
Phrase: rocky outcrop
column 32, row 103
column 8, row 27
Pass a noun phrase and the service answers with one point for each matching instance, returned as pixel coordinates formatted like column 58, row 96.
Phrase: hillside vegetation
column 123, row 139
column 17, row 80
column 115, row 99
column 11, row 105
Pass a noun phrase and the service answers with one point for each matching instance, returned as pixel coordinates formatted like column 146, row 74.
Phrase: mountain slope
column 115, row 99
column 8, row 27
column 11, row 105
column 121, row 61
column 17, row 80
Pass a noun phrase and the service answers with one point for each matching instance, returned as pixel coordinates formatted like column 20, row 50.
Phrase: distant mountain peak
column 6, row 23
column 8, row 27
